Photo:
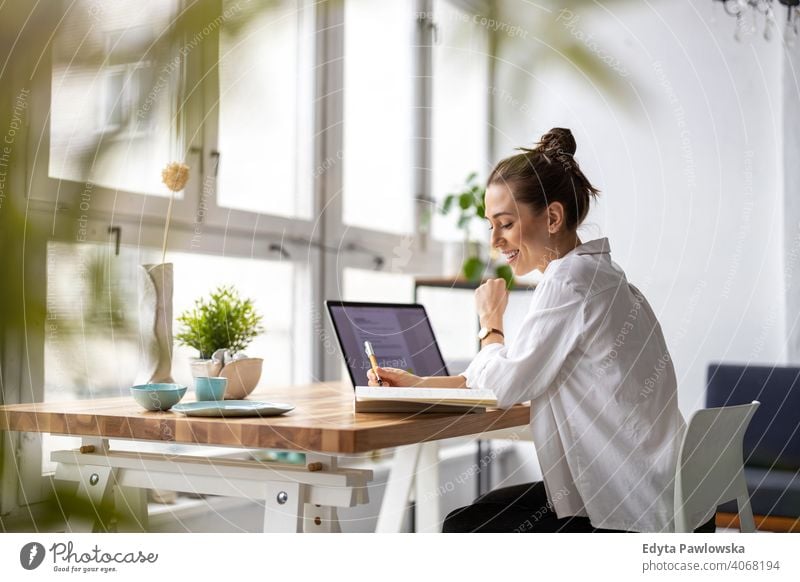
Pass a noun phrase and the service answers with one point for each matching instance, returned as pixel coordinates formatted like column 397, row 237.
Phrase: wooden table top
column 323, row 421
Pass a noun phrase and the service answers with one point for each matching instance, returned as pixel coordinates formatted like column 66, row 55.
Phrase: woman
column 590, row 357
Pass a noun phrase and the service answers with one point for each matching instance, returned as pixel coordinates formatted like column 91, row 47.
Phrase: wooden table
column 323, row 425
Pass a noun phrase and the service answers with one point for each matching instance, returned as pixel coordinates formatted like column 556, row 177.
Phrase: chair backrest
column 709, row 470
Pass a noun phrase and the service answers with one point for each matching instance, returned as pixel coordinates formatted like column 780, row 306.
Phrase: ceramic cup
column 209, row 388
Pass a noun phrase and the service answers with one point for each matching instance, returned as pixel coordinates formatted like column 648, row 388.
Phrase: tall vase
column 155, row 323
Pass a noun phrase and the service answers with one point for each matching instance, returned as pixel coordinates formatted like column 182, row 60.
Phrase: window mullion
column 31, row 368
column 423, row 96
column 329, row 113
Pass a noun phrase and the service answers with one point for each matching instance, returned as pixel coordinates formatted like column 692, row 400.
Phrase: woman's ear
column 555, row 217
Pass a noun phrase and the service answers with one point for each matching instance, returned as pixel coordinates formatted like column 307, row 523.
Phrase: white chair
column 710, row 470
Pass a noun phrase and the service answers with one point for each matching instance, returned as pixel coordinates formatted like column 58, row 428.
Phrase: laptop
column 401, row 336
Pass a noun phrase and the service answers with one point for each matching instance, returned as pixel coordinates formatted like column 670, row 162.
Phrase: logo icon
column 31, row 555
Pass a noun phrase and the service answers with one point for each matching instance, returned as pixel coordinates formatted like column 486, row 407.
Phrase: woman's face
column 517, row 231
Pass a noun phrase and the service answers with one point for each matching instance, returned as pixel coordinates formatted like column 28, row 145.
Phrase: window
column 363, row 285
column 92, row 344
column 261, row 99
column 114, row 117
column 265, row 106
column 460, row 108
column 454, row 321
column 383, row 123
column 378, row 122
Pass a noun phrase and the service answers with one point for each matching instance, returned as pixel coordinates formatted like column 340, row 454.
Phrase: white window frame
column 309, row 243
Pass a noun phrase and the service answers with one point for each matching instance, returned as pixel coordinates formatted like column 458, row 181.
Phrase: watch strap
column 492, row 330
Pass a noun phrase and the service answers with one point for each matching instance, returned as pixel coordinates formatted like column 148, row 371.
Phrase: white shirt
column 591, row 358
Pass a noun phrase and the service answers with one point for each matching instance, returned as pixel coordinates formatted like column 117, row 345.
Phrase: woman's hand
column 393, row 377
column 491, row 300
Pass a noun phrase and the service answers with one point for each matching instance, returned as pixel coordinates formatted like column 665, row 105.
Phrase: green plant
column 471, row 204
column 224, row 321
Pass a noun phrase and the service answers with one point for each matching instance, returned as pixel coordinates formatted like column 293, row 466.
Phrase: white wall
column 688, row 156
column 791, row 155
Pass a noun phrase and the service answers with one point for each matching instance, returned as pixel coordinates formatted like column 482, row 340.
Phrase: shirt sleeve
column 527, row 367
column 479, row 362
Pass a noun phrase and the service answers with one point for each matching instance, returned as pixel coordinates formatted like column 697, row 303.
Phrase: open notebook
column 390, row 399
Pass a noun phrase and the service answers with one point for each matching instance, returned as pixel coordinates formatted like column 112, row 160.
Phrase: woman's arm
column 548, row 333
column 398, row 377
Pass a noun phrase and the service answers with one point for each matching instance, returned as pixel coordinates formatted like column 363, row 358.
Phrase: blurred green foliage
column 470, row 204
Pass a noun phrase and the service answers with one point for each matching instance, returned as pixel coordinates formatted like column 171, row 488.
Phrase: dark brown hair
column 548, row 173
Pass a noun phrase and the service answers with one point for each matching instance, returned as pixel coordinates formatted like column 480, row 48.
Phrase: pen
column 372, row 360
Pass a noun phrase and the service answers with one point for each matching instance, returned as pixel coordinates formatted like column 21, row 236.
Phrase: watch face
column 483, row 333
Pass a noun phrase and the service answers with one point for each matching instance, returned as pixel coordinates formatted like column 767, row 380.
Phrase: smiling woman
column 587, row 345
column 522, row 186
column 585, row 350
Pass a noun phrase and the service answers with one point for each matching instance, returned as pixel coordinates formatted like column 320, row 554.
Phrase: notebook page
column 390, row 393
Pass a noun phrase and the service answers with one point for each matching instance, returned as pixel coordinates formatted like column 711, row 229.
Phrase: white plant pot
column 243, row 376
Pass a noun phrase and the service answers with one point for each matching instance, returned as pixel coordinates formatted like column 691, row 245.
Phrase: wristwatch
column 487, row 330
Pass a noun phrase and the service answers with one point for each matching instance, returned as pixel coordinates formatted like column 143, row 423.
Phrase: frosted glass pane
column 460, row 109
column 92, row 346
column 112, row 117
column 363, row 285
column 454, row 320
column 268, row 283
column 265, row 125
column 378, row 92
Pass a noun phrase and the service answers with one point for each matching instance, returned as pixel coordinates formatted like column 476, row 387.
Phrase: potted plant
column 470, row 204
column 220, row 328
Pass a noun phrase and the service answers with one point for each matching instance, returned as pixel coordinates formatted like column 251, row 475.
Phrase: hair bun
column 557, row 141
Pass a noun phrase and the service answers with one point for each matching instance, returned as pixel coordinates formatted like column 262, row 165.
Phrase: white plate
column 233, row 408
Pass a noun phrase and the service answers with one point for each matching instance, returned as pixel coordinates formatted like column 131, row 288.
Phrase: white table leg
column 398, row 489
column 426, row 489
column 93, row 502
column 320, row 519
column 283, row 507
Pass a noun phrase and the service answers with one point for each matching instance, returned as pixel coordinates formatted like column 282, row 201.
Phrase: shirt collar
column 593, row 247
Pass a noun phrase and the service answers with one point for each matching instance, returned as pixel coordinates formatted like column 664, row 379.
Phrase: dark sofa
column 772, row 441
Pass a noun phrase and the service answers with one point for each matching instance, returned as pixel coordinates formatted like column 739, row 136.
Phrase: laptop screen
column 401, row 336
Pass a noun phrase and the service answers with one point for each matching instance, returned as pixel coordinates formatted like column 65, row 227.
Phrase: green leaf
column 505, row 272
column 470, row 201
column 473, row 268
column 224, row 321
column 448, row 202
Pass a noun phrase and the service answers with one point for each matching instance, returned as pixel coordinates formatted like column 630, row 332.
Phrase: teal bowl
column 158, row 396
